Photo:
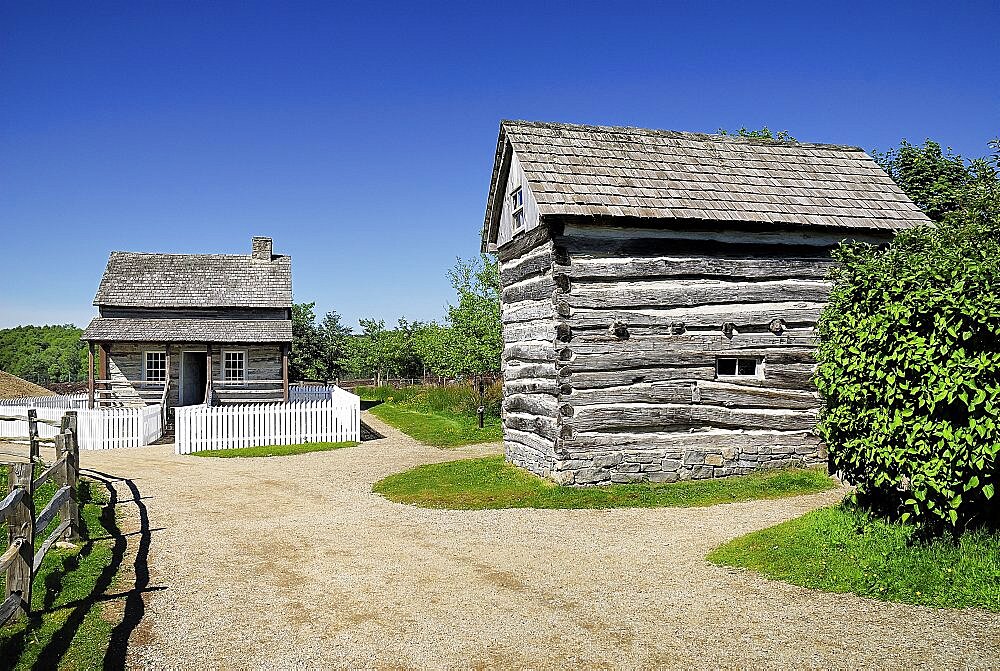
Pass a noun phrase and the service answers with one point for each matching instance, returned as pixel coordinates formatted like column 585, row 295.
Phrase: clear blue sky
column 361, row 135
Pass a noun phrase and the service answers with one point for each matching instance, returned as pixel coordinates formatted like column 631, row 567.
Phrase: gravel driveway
column 292, row 562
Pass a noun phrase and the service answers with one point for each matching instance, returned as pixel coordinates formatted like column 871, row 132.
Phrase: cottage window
column 234, row 366
column 738, row 367
column 156, row 366
column 517, row 208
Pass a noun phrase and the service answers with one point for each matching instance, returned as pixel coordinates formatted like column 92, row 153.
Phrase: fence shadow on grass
column 51, row 655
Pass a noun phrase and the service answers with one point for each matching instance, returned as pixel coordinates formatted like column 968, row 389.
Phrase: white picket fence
column 68, row 401
column 98, row 429
column 257, row 424
column 311, row 392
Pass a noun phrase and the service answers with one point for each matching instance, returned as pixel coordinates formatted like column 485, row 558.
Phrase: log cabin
column 660, row 293
column 187, row 329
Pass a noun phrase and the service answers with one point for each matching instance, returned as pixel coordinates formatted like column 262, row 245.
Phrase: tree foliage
column 44, row 354
column 910, row 352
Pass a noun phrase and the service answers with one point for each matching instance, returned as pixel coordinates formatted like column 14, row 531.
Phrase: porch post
column 284, row 372
column 208, row 374
column 90, row 375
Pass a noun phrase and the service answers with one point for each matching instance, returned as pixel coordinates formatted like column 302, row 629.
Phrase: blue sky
column 361, row 135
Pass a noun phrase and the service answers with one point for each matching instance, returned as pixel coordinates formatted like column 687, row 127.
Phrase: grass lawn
column 490, row 482
column 273, row 450
column 67, row 629
column 840, row 550
column 439, row 428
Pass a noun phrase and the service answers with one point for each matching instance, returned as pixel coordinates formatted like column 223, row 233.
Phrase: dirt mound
column 12, row 386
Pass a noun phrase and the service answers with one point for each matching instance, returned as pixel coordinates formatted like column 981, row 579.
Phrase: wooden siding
column 263, row 362
column 516, row 178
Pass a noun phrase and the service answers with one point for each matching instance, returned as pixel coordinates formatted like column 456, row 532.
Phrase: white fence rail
column 99, row 429
column 254, row 425
column 70, row 401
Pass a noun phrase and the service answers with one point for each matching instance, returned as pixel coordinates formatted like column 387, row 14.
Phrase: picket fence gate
column 258, row 424
column 98, row 429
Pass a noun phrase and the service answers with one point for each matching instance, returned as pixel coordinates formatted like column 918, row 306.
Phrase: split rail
column 21, row 561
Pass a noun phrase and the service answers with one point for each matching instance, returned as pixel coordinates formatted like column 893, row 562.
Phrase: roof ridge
column 198, row 254
column 679, row 134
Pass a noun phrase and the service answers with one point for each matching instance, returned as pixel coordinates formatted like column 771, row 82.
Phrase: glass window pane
column 727, row 366
column 748, row 367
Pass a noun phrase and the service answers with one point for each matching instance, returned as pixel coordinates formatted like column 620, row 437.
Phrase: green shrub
column 910, row 370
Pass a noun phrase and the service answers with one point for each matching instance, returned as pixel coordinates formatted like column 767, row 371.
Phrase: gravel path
column 292, row 562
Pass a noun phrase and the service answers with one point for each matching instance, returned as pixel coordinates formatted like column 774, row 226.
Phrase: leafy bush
column 910, row 370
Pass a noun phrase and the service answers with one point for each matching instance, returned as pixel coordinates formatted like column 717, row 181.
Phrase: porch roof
column 118, row 329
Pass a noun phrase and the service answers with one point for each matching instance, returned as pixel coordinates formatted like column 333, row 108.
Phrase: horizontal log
column 532, row 404
column 716, row 439
column 691, row 267
column 535, row 289
column 47, row 473
column 530, row 351
column 9, row 606
column 704, row 393
column 691, row 293
column 543, row 329
column 515, row 370
column 526, row 311
column 8, row 557
column 24, row 418
column 759, row 315
column 532, row 386
column 783, row 376
column 51, row 508
column 537, row 262
column 11, row 500
column 704, row 340
column 647, row 354
column 541, row 426
column 531, row 440
column 524, row 243
column 683, row 417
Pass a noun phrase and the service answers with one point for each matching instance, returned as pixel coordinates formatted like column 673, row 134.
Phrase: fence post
column 33, row 433
column 70, row 511
column 21, row 525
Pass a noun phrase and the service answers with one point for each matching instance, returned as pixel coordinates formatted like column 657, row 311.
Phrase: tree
column 909, row 360
column 307, row 344
column 44, row 353
column 334, row 340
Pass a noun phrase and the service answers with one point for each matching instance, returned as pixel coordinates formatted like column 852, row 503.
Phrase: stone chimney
column 261, row 248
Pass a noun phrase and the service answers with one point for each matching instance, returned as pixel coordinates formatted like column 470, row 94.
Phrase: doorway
column 193, row 378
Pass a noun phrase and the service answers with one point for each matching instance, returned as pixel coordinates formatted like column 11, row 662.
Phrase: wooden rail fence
column 21, row 561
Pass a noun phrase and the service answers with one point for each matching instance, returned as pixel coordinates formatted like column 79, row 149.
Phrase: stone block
column 664, row 477
column 694, row 457
column 714, row 460
column 607, row 460
column 671, row 465
column 701, row 472
column 729, row 453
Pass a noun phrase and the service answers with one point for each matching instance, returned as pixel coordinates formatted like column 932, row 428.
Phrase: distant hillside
column 44, row 354
column 15, row 387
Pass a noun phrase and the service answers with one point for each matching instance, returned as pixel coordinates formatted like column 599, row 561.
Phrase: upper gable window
column 517, row 208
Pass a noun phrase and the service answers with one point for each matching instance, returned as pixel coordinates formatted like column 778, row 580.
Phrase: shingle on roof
column 195, row 280
column 636, row 172
column 189, row 330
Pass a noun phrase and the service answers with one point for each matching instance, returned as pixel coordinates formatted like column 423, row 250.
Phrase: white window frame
column 517, row 208
column 223, row 370
column 145, row 365
column 758, row 373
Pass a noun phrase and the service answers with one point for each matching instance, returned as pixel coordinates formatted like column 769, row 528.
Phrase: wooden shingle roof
column 118, row 329
column 598, row 171
column 195, row 280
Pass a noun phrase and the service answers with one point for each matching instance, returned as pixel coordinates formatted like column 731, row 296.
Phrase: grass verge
column 841, row 550
column 273, row 450
column 67, row 628
column 439, row 428
column 490, row 482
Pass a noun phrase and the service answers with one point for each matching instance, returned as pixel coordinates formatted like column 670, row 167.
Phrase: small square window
column 156, row 366
column 234, row 366
column 517, row 207
column 738, row 367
